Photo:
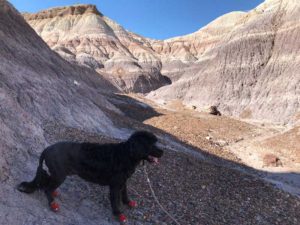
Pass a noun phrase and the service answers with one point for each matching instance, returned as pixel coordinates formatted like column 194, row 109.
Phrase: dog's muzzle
column 155, row 154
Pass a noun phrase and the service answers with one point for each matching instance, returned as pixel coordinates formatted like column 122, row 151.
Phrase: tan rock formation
column 82, row 34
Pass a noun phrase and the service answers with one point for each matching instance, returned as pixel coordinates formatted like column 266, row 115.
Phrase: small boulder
column 213, row 110
column 271, row 160
column 221, row 143
column 208, row 138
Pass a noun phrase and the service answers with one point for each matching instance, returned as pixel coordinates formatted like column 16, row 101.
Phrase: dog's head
column 143, row 147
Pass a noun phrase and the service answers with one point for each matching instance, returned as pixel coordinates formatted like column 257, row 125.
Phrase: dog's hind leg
column 53, row 184
column 115, row 199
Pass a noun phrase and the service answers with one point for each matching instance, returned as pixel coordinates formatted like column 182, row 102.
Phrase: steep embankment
column 38, row 87
column 253, row 71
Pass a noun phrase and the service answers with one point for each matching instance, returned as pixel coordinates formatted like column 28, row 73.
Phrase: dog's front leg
column 115, row 199
column 126, row 200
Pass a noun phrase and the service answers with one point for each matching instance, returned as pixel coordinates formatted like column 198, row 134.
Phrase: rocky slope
column 253, row 71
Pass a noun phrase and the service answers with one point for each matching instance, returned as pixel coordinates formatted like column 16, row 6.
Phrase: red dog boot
column 54, row 206
column 122, row 218
column 132, row 204
column 54, row 194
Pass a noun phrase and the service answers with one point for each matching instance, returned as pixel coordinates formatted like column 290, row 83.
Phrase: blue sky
column 159, row 19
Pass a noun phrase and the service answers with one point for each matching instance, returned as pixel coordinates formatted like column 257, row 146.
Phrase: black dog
column 106, row 164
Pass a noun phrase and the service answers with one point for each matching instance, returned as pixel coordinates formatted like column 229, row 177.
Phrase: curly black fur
column 103, row 164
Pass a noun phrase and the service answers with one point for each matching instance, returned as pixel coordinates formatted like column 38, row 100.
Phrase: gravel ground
column 191, row 190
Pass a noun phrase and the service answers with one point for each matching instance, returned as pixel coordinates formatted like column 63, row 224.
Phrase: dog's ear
column 137, row 149
column 144, row 136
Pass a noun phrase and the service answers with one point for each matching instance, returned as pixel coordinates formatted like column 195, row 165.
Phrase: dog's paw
column 54, row 194
column 54, row 206
column 132, row 204
column 122, row 218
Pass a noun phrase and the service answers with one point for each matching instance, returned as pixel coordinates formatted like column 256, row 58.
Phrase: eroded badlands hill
column 253, row 71
column 82, row 34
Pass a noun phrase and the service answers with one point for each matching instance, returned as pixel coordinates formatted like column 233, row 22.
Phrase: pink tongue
column 153, row 159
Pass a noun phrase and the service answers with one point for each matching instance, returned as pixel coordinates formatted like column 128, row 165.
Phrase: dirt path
column 233, row 140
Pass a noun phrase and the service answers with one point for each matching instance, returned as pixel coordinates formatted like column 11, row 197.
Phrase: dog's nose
column 162, row 152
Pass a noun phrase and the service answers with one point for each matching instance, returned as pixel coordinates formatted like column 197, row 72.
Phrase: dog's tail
column 40, row 180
